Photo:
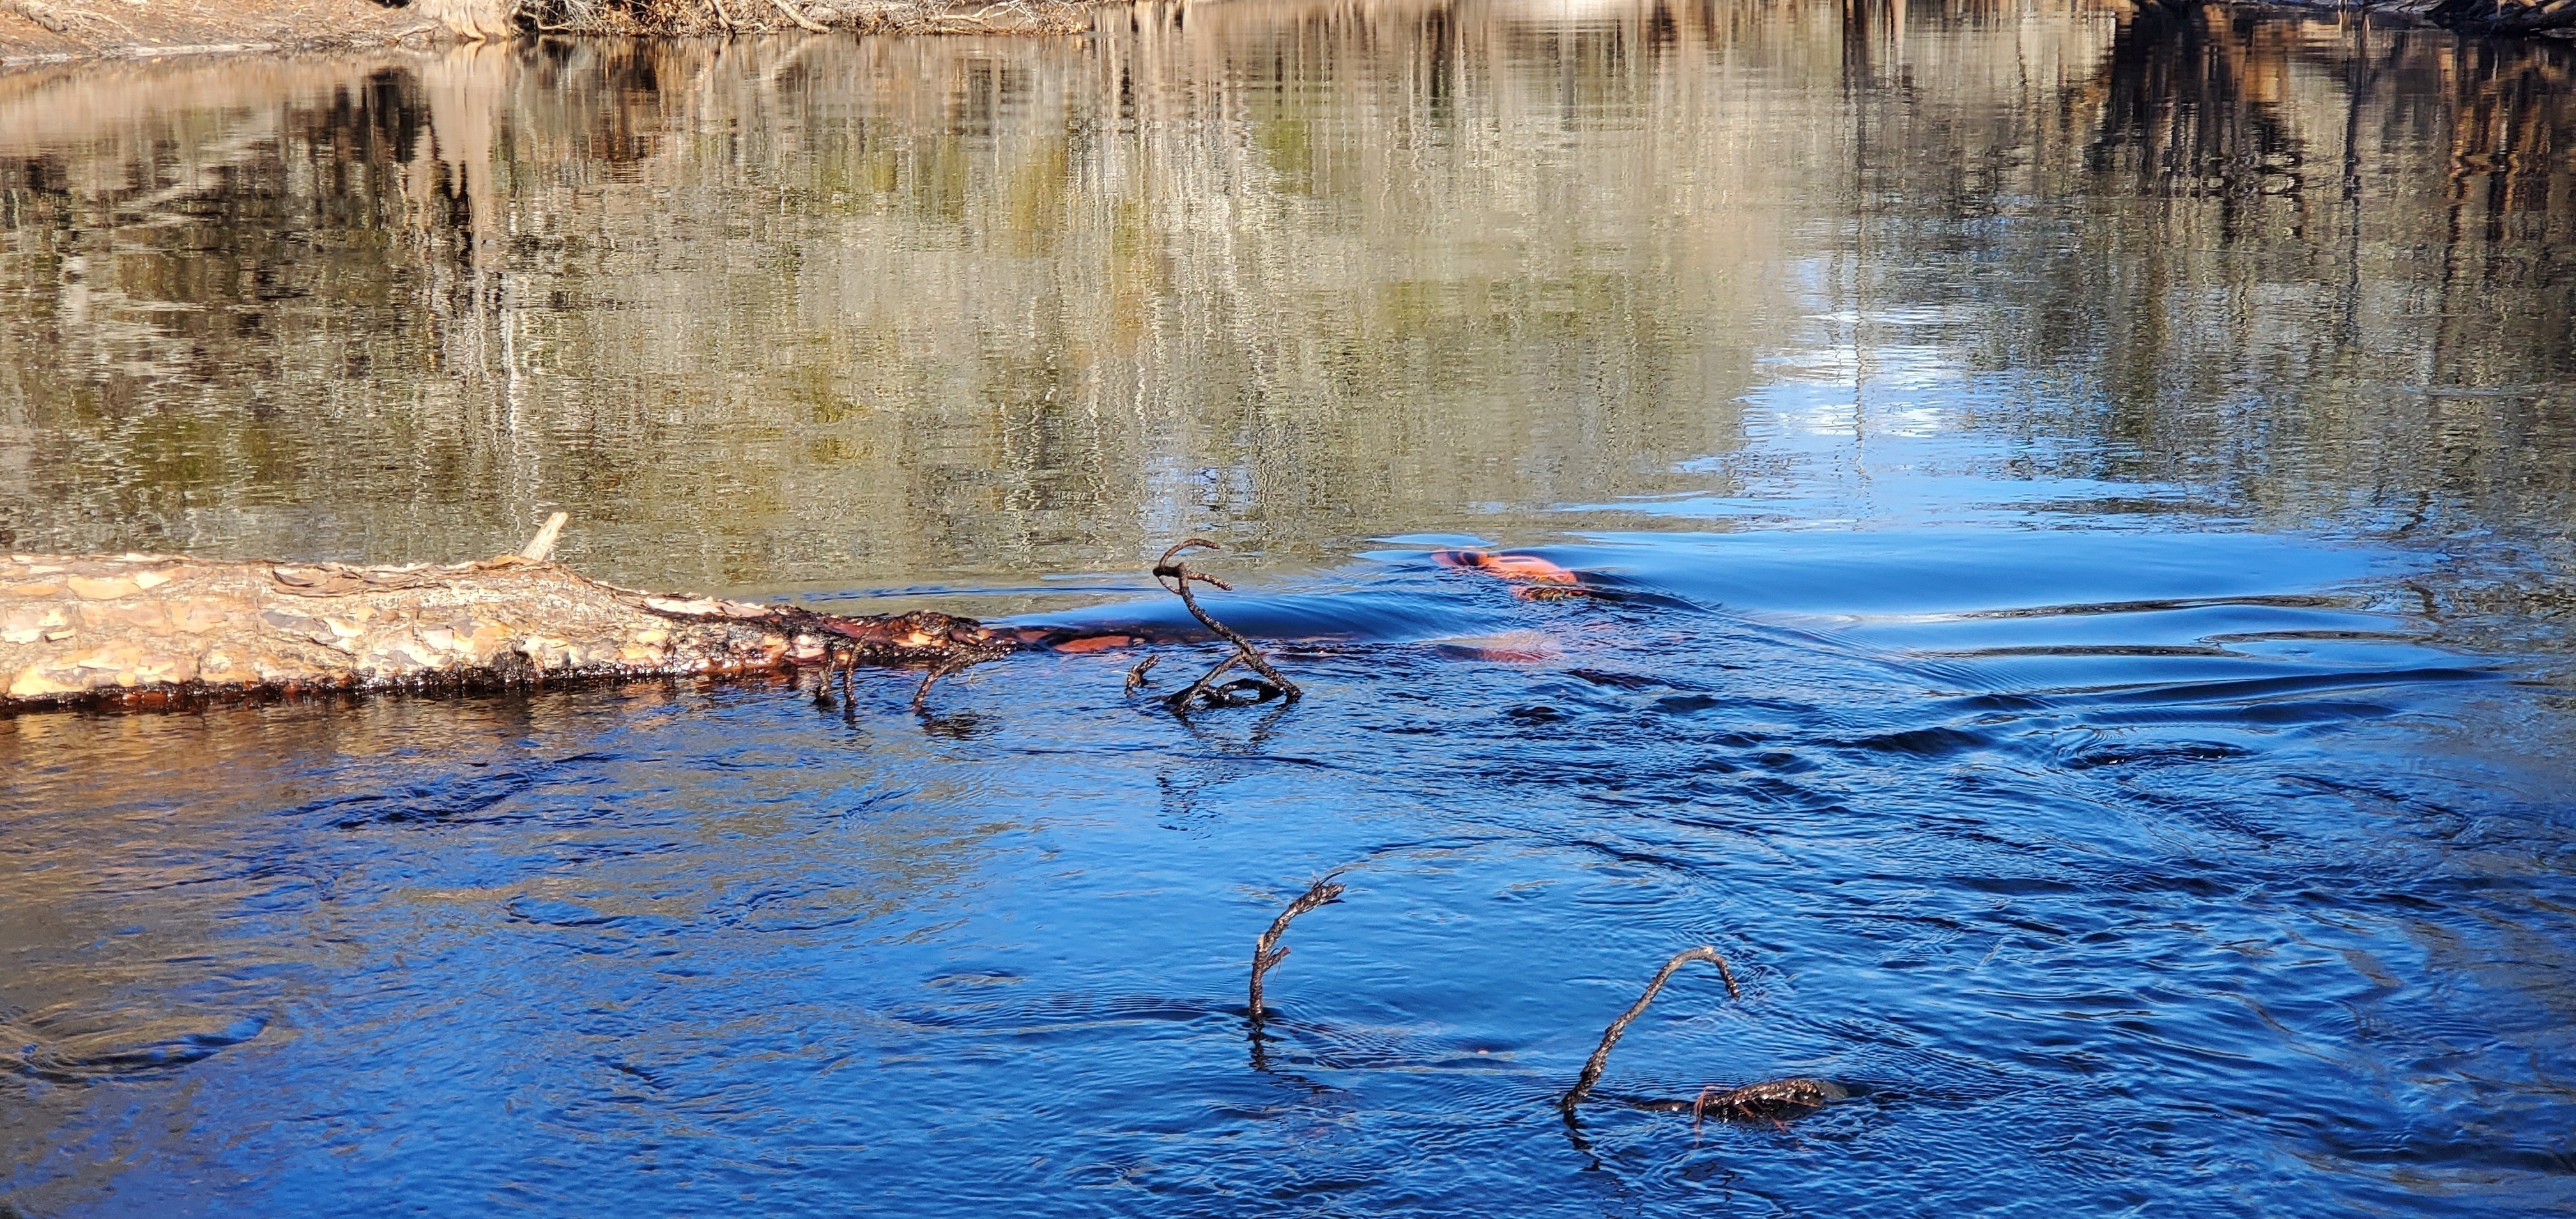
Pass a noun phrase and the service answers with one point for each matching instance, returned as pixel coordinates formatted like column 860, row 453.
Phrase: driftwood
column 147, row 631
column 1773, row 1100
column 1267, row 951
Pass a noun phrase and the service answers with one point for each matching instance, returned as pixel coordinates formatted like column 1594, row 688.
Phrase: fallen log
column 151, row 631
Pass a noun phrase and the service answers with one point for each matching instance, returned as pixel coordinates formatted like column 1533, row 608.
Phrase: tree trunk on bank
column 476, row 19
column 149, row 631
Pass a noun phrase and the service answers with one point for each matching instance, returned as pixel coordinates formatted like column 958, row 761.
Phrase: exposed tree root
column 1775, row 1100
column 1268, row 951
column 1176, row 576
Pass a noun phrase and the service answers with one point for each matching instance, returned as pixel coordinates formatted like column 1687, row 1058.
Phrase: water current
column 2080, row 510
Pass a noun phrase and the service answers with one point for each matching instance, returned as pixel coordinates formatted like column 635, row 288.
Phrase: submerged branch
column 1267, row 951
column 1600, row 1059
column 1176, row 576
column 1772, row 1100
column 1775, row 1100
column 938, row 669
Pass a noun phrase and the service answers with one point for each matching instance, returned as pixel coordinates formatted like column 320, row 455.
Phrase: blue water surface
column 2072, row 504
column 2109, row 872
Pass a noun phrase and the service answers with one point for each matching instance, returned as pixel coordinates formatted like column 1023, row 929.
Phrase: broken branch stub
column 1136, row 676
column 1267, row 951
column 540, row 547
column 1176, row 576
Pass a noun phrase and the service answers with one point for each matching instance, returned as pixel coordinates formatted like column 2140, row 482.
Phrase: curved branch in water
column 1610, row 1037
column 1266, row 951
column 1175, row 576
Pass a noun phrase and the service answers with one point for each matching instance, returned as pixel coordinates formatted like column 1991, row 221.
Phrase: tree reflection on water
column 859, row 312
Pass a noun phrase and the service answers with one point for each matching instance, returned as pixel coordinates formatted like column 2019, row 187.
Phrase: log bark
column 150, row 631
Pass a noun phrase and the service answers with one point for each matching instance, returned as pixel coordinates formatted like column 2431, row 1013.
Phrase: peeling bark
column 153, row 631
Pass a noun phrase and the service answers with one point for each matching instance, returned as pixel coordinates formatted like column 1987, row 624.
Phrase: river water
column 2080, row 510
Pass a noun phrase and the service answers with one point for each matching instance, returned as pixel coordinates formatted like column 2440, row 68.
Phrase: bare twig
column 823, row 684
column 921, row 693
column 841, row 662
column 1136, row 676
column 543, row 544
column 1175, row 576
column 1610, row 1036
column 1267, row 951
column 1183, row 700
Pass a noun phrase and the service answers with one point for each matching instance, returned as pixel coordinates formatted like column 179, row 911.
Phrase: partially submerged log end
column 542, row 546
column 148, row 631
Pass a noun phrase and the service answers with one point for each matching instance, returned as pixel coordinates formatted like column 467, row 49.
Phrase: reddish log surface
column 149, row 631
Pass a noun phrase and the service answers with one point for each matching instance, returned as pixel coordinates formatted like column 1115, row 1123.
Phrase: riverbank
column 2533, row 18
column 34, row 32
column 58, row 31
